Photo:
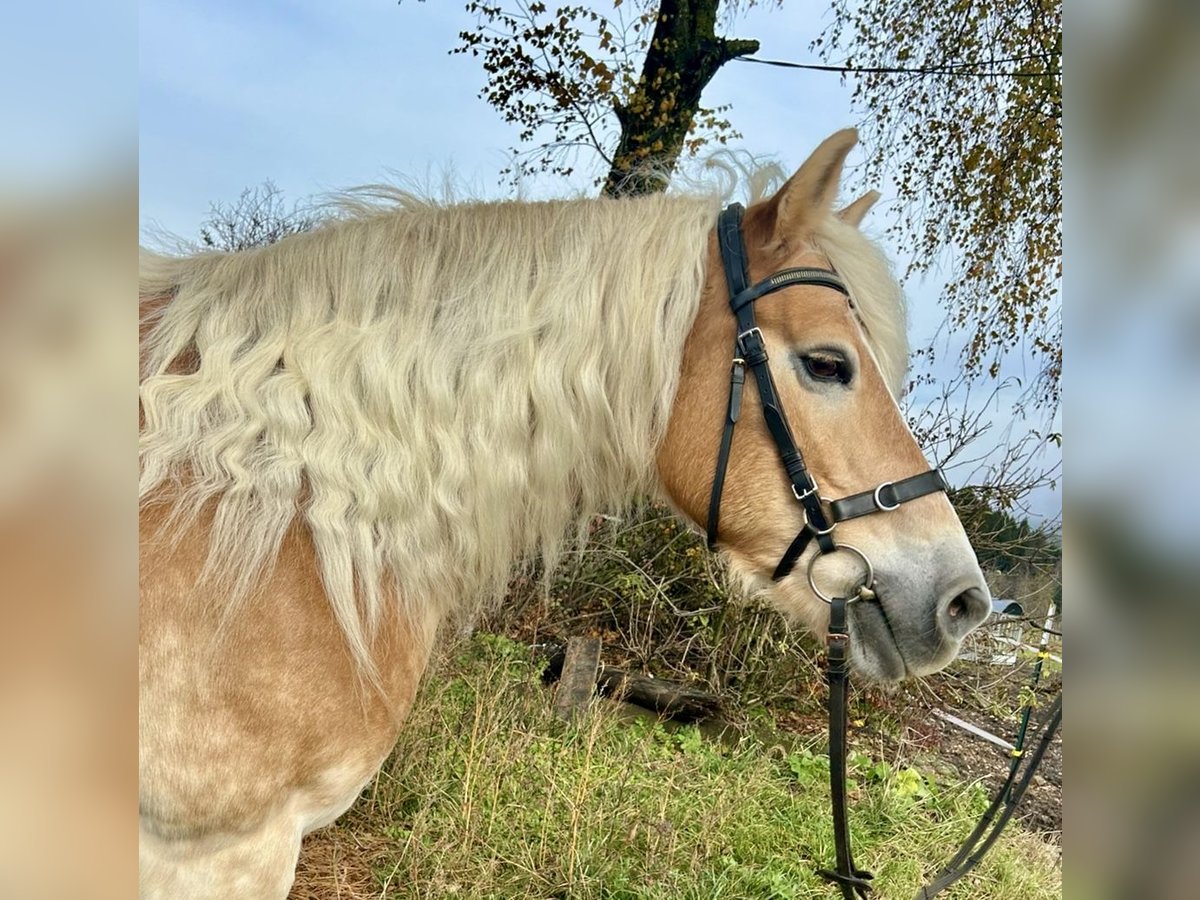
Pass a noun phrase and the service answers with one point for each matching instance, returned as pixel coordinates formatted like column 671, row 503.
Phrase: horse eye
column 827, row 368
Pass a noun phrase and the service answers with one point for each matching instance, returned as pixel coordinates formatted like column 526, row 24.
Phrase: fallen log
column 672, row 699
column 578, row 667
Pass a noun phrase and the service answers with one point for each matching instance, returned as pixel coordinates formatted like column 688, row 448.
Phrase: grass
column 488, row 796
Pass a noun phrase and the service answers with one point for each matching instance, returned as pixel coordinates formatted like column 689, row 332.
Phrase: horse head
column 836, row 361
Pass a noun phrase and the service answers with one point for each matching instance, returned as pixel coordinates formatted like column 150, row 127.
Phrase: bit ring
column 870, row 572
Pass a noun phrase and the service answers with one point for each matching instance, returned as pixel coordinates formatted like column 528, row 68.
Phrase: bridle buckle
column 802, row 497
column 741, row 338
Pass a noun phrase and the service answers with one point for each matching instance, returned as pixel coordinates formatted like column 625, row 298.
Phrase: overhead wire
column 963, row 68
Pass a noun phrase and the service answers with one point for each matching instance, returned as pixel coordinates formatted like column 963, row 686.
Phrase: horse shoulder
column 254, row 713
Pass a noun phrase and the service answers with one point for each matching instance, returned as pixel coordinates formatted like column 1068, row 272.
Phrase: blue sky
column 318, row 96
column 68, row 92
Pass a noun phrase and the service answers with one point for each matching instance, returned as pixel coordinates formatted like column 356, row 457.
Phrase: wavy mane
column 436, row 391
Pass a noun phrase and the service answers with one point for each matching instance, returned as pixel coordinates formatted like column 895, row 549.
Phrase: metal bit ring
column 870, row 572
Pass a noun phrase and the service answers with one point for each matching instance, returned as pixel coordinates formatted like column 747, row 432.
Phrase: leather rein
column 750, row 351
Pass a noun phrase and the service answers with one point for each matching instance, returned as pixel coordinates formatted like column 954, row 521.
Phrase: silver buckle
column 879, row 504
column 802, row 497
column 749, row 331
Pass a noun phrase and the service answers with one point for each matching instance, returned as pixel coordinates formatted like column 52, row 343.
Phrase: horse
column 354, row 434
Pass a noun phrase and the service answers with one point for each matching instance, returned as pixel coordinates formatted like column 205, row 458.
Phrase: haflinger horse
column 352, row 434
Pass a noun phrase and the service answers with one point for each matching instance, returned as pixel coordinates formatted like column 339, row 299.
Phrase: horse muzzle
column 894, row 637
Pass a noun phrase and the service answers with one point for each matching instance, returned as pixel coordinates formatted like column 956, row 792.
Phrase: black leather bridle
column 750, row 351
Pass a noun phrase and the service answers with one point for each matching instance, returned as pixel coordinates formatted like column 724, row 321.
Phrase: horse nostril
column 963, row 612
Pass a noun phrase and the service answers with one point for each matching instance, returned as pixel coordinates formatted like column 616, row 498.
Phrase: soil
column 931, row 742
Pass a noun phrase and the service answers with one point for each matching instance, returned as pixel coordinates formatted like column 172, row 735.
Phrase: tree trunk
column 684, row 55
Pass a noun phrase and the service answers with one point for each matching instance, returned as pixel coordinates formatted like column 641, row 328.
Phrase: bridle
column 750, row 351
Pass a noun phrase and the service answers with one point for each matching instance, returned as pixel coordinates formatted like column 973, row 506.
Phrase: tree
column 683, row 55
column 258, row 217
column 957, row 428
column 573, row 73
column 964, row 112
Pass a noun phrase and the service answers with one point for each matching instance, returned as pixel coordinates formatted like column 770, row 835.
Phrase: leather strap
column 785, row 278
column 853, row 881
column 733, row 259
column 1008, row 797
column 888, row 495
column 754, row 351
column 884, row 498
column 737, row 385
column 792, row 554
column 750, row 351
column 733, row 248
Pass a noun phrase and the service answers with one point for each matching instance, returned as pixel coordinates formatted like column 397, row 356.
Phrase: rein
column 1012, row 791
column 750, row 351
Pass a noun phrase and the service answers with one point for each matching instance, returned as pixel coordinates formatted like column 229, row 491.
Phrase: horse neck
column 451, row 389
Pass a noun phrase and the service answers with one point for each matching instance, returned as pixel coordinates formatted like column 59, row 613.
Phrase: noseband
column 750, row 351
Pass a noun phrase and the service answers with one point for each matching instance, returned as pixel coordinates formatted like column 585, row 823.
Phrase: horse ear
column 809, row 194
column 856, row 211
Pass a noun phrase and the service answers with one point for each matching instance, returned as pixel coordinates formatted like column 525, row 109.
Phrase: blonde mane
column 436, row 391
